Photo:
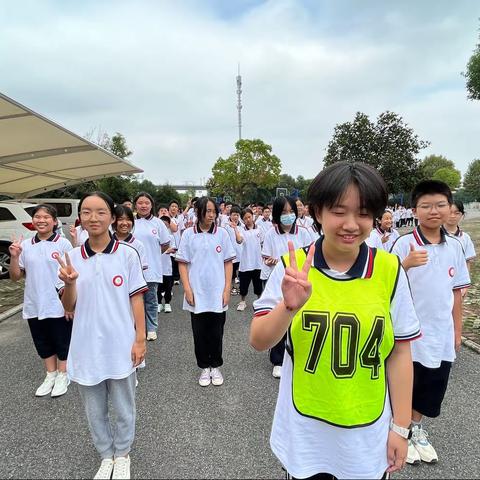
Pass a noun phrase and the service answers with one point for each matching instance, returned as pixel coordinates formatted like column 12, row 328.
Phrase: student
column 103, row 282
column 78, row 235
column 205, row 259
column 275, row 244
column 128, row 203
column 151, row 231
column 233, row 229
column 122, row 231
column 343, row 407
column 250, row 258
column 264, row 222
column 176, row 219
column 437, row 272
column 165, row 288
column 383, row 235
column 50, row 326
column 303, row 220
column 452, row 226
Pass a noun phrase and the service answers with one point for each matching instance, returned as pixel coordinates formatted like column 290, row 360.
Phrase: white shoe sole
column 204, row 383
column 61, row 392
column 217, row 383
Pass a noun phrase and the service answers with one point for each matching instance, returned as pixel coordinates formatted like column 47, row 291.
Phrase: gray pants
column 111, row 440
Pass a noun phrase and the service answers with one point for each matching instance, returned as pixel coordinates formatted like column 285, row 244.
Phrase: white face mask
column 288, row 219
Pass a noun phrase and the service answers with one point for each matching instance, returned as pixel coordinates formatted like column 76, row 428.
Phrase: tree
column 451, row 176
column 472, row 74
column 430, row 164
column 471, row 181
column 389, row 145
column 252, row 166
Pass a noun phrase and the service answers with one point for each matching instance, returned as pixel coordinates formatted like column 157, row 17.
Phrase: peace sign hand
column 15, row 247
column 67, row 273
column 296, row 288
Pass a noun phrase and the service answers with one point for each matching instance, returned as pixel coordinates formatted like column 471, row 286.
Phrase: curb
column 12, row 311
column 471, row 344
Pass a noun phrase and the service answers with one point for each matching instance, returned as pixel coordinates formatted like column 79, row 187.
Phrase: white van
column 67, row 209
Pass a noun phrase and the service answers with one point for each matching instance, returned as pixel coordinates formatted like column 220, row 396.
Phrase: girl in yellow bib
column 344, row 397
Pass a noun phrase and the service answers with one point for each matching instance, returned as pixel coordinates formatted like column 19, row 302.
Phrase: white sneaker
column 237, row 280
column 47, row 386
column 205, row 380
column 217, row 377
column 242, row 306
column 121, row 467
column 413, row 457
column 151, row 336
column 168, row 308
column 424, row 448
column 160, row 308
column 105, row 470
column 277, row 371
column 61, row 385
column 176, row 282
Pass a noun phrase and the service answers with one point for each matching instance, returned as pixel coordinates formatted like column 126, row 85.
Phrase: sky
column 163, row 74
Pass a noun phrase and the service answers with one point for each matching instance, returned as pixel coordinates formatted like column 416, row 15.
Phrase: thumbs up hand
column 415, row 258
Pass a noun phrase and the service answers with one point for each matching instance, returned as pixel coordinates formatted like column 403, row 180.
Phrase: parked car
column 15, row 221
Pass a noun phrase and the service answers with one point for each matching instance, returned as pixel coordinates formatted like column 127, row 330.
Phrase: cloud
column 163, row 74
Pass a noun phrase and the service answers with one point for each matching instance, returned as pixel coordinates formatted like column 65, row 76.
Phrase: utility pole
column 239, row 103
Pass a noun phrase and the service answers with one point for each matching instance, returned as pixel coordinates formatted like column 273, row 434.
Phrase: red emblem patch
column 451, row 271
column 218, row 249
column 55, row 255
column 118, row 280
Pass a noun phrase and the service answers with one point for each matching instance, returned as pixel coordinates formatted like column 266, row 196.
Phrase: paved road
column 184, row 431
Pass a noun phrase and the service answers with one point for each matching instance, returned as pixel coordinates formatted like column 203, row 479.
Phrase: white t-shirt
column 375, row 239
column 153, row 233
column 104, row 327
column 275, row 244
column 39, row 262
column 264, row 226
column 307, row 446
column 138, row 246
column 251, row 250
column 467, row 244
column 432, row 291
column 82, row 235
column 206, row 254
column 305, row 222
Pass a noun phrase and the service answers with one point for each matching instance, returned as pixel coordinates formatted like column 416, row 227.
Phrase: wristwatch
column 403, row 432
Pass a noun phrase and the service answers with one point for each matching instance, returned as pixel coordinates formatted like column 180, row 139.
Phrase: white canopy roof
column 38, row 155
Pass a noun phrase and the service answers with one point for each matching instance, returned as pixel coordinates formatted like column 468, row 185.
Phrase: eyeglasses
column 99, row 213
column 428, row 207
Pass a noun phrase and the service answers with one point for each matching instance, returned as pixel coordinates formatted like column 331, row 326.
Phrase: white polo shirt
column 251, row 250
column 375, row 238
column 167, row 258
column 138, row 246
column 39, row 262
column 432, row 288
column 264, row 226
column 104, row 327
column 467, row 244
column 153, row 233
column 275, row 244
column 314, row 233
column 305, row 222
column 82, row 235
column 306, row 446
column 206, row 253
column 236, row 246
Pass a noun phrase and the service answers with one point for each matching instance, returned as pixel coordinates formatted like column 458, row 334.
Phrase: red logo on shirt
column 55, row 255
column 451, row 271
column 118, row 280
column 154, row 232
column 218, row 249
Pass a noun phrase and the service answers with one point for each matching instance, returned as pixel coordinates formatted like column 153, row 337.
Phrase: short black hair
column 460, row 206
column 328, row 187
column 228, row 203
column 235, row 209
column 430, row 187
column 50, row 209
column 106, row 198
column 260, row 204
column 173, row 202
column 147, row 195
column 245, row 211
column 165, row 219
column 123, row 211
column 201, row 207
column 278, row 206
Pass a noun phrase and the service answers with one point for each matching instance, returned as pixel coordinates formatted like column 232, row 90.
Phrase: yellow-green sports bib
column 339, row 342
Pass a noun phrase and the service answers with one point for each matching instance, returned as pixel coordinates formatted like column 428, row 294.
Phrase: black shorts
column 429, row 387
column 51, row 336
column 245, row 279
